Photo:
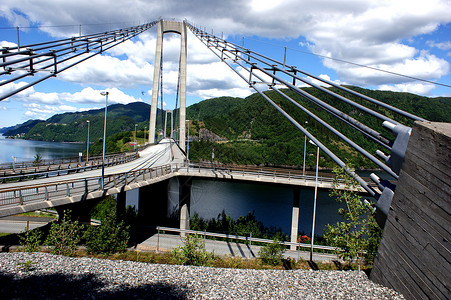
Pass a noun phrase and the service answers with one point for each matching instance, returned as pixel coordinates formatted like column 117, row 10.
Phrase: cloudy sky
column 411, row 37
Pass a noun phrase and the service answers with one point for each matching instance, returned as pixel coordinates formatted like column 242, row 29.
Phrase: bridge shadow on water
column 65, row 286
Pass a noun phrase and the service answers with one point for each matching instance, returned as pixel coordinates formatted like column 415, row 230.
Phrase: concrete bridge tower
column 179, row 28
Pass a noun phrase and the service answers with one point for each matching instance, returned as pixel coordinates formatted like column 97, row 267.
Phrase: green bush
column 193, row 252
column 30, row 240
column 358, row 235
column 272, row 254
column 110, row 237
column 64, row 235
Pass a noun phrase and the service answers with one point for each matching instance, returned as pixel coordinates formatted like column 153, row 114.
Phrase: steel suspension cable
column 57, row 56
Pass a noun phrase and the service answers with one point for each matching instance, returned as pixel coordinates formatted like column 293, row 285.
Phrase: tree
column 109, row 237
column 272, row 254
column 64, row 235
column 31, row 240
column 358, row 235
column 37, row 160
column 193, row 252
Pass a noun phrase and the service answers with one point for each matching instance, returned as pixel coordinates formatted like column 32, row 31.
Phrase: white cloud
column 370, row 32
column 442, row 46
column 415, row 88
column 92, row 96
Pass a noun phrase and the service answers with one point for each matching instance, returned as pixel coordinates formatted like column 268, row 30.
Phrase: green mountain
column 72, row 127
column 21, row 129
column 251, row 130
column 258, row 134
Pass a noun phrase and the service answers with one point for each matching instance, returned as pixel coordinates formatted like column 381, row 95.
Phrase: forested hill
column 258, row 134
column 254, row 132
column 72, row 127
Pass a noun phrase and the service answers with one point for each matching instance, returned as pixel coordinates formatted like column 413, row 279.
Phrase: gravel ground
column 54, row 277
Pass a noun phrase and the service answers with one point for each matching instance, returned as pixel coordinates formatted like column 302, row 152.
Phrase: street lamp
column 305, row 145
column 134, row 144
column 314, row 200
column 187, row 139
column 87, row 143
column 104, row 137
column 145, row 129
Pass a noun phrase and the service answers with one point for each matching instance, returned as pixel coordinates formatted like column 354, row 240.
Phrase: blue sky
column 409, row 37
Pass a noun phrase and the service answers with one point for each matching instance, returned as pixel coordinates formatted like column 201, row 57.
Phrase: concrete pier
column 295, row 217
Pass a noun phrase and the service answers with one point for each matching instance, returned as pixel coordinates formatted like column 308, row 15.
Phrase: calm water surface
column 25, row 150
column 271, row 204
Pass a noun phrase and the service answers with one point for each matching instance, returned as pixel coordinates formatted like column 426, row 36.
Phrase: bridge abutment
column 414, row 254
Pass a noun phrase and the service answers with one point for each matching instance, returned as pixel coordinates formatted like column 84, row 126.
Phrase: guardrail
column 249, row 238
column 64, row 167
column 290, row 174
column 77, row 187
column 258, row 172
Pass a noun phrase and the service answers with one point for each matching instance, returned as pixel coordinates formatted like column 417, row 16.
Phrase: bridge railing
column 62, row 166
column 78, row 187
column 261, row 171
column 249, row 238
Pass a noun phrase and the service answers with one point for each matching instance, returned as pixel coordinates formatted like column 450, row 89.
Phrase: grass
column 38, row 214
column 221, row 261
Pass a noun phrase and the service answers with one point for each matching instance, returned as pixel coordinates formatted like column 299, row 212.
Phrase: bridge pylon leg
column 179, row 28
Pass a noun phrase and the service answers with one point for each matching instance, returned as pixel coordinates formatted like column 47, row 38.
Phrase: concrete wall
column 415, row 253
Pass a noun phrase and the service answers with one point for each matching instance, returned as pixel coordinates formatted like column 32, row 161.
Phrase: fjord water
column 271, row 204
column 25, row 150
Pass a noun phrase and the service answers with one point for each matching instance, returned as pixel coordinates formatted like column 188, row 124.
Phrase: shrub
column 108, row 238
column 30, row 240
column 64, row 235
column 272, row 254
column 193, row 252
column 359, row 235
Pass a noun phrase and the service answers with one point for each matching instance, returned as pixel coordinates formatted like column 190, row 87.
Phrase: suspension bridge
column 414, row 256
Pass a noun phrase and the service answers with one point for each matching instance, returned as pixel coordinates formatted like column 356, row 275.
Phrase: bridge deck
column 157, row 163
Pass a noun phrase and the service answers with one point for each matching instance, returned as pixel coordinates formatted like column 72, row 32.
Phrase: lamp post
column 134, row 144
column 145, row 129
column 104, row 137
column 305, row 145
column 314, row 200
column 187, row 139
column 87, row 142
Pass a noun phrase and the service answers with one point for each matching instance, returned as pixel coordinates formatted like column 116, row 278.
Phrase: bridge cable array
column 264, row 73
column 57, row 56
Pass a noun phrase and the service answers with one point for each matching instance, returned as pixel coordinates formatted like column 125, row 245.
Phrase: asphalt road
column 17, row 224
column 160, row 154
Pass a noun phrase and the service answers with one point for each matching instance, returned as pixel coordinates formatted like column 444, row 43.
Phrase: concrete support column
column 184, row 202
column 295, row 217
column 156, row 83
